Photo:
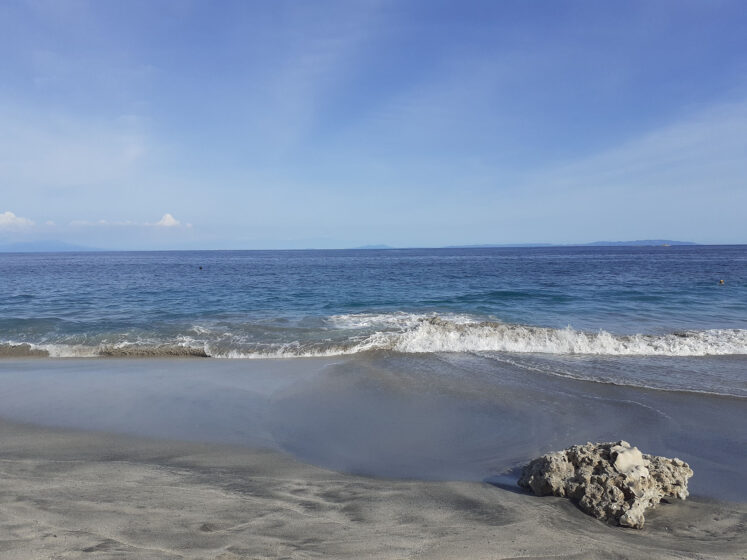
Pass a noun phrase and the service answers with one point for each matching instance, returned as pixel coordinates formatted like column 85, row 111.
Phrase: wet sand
column 381, row 456
column 428, row 417
column 71, row 494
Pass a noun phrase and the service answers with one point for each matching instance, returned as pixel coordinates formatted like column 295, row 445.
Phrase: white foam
column 421, row 333
column 68, row 350
column 439, row 335
column 435, row 334
column 396, row 320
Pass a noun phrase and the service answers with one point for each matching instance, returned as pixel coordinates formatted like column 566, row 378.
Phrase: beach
column 363, row 404
column 73, row 494
column 373, row 280
column 285, row 459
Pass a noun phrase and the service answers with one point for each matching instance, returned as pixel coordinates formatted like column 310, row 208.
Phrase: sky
column 291, row 124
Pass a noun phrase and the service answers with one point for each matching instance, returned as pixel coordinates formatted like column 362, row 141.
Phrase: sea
column 423, row 363
column 650, row 316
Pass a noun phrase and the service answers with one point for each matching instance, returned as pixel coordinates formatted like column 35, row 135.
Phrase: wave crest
column 438, row 335
column 405, row 333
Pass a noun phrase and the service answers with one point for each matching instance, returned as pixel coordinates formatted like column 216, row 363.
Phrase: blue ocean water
column 573, row 311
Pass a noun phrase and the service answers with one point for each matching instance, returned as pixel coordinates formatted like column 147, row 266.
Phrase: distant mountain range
column 638, row 243
column 44, row 247
column 49, row 246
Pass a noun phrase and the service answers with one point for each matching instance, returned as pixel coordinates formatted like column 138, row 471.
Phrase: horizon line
column 637, row 243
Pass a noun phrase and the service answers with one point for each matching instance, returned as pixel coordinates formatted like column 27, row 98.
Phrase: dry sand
column 68, row 494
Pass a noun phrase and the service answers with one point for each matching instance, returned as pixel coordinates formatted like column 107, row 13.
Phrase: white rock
column 628, row 458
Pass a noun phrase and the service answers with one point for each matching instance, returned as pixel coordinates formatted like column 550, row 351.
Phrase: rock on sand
column 611, row 481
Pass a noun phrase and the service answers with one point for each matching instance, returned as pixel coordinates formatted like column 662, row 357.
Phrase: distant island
column 640, row 243
column 637, row 243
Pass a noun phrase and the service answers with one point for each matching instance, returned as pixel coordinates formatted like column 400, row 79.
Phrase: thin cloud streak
column 408, row 123
column 688, row 152
column 55, row 148
column 685, row 179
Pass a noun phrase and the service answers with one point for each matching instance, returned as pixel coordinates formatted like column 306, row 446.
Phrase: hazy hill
column 46, row 246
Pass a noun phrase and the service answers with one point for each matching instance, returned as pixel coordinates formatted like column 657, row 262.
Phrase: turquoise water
column 657, row 314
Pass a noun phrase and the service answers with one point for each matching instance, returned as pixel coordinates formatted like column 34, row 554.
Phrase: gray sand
column 308, row 458
column 68, row 494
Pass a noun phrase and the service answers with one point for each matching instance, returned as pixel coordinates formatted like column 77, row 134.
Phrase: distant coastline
column 637, row 243
column 62, row 247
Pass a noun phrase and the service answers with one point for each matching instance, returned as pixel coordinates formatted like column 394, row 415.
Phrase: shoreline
column 69, row 492
column 422, row 418
column 188, row 357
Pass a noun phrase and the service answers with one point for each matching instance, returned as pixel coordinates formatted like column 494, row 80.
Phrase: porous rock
column 611, row 481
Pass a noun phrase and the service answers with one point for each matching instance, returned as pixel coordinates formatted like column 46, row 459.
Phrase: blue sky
column 139, row 125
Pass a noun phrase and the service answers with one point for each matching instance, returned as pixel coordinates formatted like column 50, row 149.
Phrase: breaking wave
column 404, row 333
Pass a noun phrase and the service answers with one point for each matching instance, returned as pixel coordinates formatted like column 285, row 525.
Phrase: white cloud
column 168, row 221
column 311, row 67
column 8, row 220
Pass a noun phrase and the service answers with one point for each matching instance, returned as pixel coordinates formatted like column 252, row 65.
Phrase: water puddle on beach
column 422, row 416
